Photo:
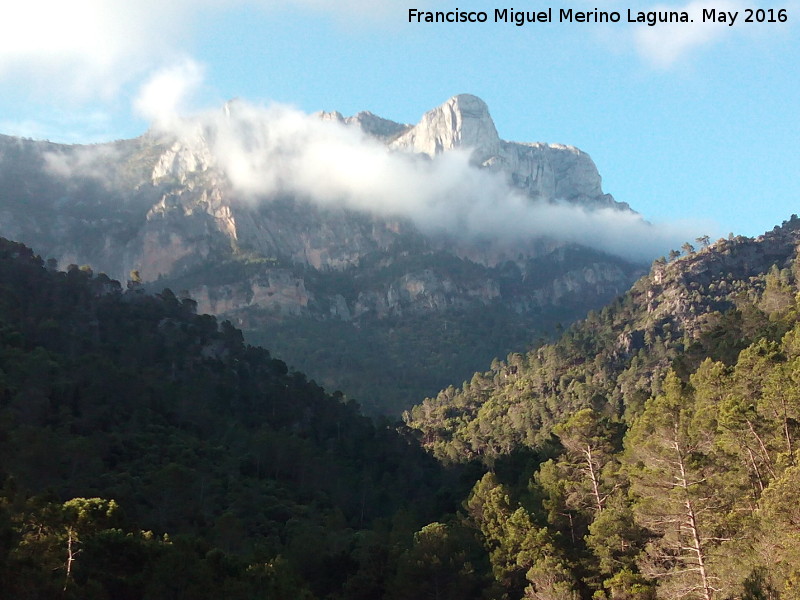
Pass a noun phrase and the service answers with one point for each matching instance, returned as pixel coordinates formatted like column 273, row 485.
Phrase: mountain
column 148, row 452
column 654, row 445
column 712, row 302
column 542, row 171
column 650, row 452
column 384, row 304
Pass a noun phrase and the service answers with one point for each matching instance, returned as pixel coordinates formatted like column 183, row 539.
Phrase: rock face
column 543, row 171
column 161, row 205
column 461, row 122
column 382, row 129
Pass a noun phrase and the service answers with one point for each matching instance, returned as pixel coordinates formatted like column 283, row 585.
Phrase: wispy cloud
column 81, row 161
column 165, row 93
column 667, row 44
column 274, row 151
column 89, row 49
column 664, row 44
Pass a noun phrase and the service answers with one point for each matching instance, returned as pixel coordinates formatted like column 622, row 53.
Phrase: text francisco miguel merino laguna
column 569, row 15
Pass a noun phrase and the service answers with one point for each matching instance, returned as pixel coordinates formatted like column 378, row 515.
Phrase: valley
column 388, row 305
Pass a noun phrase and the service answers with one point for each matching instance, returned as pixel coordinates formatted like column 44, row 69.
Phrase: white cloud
column 87, row 51
column 272, row 151
column 167, row 91
column 81, row 161
column 666, row 43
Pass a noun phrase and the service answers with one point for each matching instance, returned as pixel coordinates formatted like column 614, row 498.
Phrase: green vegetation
column 147, row 452
column 389, row 361
column 653, row 451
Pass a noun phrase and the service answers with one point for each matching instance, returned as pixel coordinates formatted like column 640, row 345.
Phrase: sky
column 686, row 121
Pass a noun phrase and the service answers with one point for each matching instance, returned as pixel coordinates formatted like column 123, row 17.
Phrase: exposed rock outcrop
column 164, row 206
column 461, row 122
column 94, row 205
column 543, row 171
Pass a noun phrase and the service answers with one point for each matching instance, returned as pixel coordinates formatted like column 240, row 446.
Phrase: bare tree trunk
column 764, row 452
column 756, row 470
column 691, row 522
column 593, row 476
column 786, row 428
column 71, row 553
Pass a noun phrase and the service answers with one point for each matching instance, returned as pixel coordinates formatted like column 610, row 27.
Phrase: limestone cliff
column 461, row 122
column 162, row 205
column 543, row 171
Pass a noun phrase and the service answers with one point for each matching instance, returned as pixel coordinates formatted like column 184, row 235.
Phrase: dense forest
column 652, row 451
column 147, row 452
column 390, row 361
column 653, row 447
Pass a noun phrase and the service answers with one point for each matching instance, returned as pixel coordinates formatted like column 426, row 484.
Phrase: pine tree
column 586, row 437
column 674, row 495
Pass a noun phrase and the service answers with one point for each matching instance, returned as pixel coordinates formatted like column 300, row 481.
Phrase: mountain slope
column 188, row 209
column 651, row 451
column 710, row 303
column 125, row 417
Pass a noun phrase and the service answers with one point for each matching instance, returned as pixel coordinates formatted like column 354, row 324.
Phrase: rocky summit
column 542, row 171
column 363, row 300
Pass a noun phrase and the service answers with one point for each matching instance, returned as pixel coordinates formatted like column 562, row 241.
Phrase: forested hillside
column 653, row 451
column 381, row 292
column 710, row 303
column 147, row 452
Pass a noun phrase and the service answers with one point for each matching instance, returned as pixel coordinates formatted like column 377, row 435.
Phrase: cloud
column 87, row 49
column 273, row 151
column 165, row 94
column 90, row 49
column 81, row 161
column 666, row 43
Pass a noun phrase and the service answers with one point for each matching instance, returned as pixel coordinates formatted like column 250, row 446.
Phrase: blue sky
column 685, row 121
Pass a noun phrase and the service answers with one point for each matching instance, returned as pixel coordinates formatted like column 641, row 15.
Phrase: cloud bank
column 273, row 151
column 87, row 49
column 90, row 49
column 164, row 94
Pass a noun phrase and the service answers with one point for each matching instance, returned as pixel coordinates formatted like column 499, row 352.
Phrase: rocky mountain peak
column 181, row 159
column 547, row 172
column 371, row 124
column 324, row 284
column 378, row 127
column 461, row 122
